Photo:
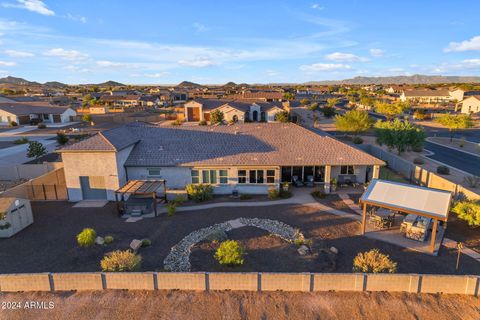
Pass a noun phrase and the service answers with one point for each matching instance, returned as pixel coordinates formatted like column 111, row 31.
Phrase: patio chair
column 297, row 182
column 310, row 181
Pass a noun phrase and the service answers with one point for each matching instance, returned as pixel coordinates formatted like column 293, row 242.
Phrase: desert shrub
column 284, row 194
column 202, row 123
column 146, row 242
column 282, row 116
column 418, row 161
column 443, row 170
column 86, row 238
column 41, row 126
column 13, row 124
column 299, row 241
column 216, row 117
column 318, row 194
column 87, row 118
column 21, row 141
column 373, row 261
column 61, row 138
column 108, row 239
column 245, row 196
column 230, row 253
column 217, row 236
column 357, row 140
column 313, row 106
column 121, row 261
column 328, row 112
column 304, row 101
column 468, row 211
column 177, row 123
column 199, row 192
column 172, row 206
column 472, row 181
column 273, row 194
column 419, row 114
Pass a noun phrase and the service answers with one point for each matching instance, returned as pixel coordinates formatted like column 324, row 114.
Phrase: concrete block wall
column 25, row 282
column 77, row 281
column 130, row 281
column 233, row 281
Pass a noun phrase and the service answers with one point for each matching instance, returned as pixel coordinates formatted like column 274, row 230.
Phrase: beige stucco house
column 471, row 105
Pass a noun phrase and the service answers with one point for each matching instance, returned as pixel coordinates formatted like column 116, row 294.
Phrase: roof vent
column 160, row 148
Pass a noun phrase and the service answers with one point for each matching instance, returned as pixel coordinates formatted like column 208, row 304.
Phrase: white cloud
column 340, row 56
column 31, row 5
column 200, row 27
column 316, row 6
column 72, row 17
column 18, row 54
column 110, row 64
column 71, row 55
column 316, row 67
column 73, row 68
column 457, row 67
column 198, row 62
column 156, row 75
column 377, row 52
column 7, row 63
column 472, row 44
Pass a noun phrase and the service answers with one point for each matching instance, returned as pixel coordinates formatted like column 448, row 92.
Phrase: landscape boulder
column 135, row 244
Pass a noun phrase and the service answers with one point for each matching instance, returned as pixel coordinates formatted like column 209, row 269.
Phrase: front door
column 255, row 116
column 193, row 114
column 93, row 188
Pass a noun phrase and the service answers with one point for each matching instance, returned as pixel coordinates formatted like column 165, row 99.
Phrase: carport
column 140, row 196
column 408, row 199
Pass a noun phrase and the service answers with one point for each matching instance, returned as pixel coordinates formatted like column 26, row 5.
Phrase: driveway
column 455, row 158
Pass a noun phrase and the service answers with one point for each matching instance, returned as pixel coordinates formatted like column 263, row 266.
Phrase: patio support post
column 328, row 174
column 434, row 235
column 364, row 217
column 154, row 194
column 376, row 172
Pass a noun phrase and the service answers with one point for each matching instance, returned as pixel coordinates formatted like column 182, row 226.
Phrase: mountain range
column 414, row 79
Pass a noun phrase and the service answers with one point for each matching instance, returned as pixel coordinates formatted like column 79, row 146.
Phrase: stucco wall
column 360, row 172
column 176, row 177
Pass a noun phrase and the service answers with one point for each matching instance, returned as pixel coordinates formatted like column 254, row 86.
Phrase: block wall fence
column 204, row 281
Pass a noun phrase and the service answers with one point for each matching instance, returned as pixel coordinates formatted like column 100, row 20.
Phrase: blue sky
column 165, row 42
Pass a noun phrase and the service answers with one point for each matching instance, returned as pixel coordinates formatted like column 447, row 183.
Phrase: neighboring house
column 259, row 96
column 123, row 102
column 471, row 105
column 426, row 96
column 23, row 113
column 199, row 109
column 149, row 101
column 249, row 158
column 457, row 94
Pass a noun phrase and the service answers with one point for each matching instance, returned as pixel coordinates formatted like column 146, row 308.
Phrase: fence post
column 44, row 192
column 55, row 189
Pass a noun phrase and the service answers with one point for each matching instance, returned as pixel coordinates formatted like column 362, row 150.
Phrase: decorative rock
column 334, row 250
column 135, row 244
column 303, row 250
column 99, row 240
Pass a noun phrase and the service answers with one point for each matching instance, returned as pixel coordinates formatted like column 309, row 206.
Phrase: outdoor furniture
column 345, row 180
column 310, row 181
column 419, row 229
column 297, row 182
column 382, row 219
column 140, row 196
column 408, row 222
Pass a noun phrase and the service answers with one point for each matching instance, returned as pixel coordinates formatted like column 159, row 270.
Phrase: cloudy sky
column 165, row 42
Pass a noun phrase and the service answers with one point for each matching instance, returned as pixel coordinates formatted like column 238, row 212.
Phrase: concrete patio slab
column 90, row 204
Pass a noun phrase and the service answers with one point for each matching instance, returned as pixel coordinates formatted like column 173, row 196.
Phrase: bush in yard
column 121, row 261
column 36, row 150
column 443, row 170
column 86, row 238
column 216, row 117
column 172, row 206
column 328, row 112
column 13, row 124
column 21, row 141
column 273, row 194
column 313, row 106
column 146, row 242
column 318, row 194
column 108, row 239
column 61, row 138
column 282, row 116
column 199, row 192
column 285, row 194
column 373, row 261
column 177, row 123
column 202, row 123
column 468, row 211
column 41, row 126
column 87, row 118
column 418, row 161
column 357, row 140
column 230, row 253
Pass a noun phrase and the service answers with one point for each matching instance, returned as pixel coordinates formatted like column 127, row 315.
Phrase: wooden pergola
column 409, row 199
column 141, row 188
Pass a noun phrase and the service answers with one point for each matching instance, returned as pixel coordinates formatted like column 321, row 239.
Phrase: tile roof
column 210, row 104
column 26, row 109
column 427, row 93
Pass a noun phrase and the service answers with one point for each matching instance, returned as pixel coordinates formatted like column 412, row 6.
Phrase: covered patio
column 410, row 216
column 138, row 197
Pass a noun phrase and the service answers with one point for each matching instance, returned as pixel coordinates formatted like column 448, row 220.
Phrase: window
column 195, row 177
column 347, row 170
column 270, row 176
column 223, row 174
column 256, row 176
column 319, row 175
column 209, row 176
column 242, row 176
column 153, row 172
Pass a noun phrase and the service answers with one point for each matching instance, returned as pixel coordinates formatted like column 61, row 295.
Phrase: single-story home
column 426, row 96
column 23, row 113
column 471, row 105
column 249, row 158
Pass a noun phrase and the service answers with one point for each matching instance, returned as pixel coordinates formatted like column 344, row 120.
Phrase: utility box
column 15, row 215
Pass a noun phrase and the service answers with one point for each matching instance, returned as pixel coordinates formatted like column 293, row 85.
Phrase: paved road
column 458, row 159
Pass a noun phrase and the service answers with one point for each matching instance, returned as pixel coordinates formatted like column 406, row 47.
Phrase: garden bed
column 459, row 230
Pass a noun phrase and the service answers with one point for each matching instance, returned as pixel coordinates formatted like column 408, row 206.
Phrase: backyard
column 49, row 245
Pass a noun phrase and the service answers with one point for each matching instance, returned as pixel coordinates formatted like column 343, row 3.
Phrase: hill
column 110, row 83
column 55, row 84
column 17, row 81
column 188, row 84
column 415, row 79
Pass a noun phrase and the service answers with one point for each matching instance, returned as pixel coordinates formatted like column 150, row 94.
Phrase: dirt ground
column 184, row 305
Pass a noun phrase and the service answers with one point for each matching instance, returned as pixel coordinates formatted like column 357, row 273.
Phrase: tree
column 354, row 121
column 282, row 116
column 36, row 150
column 313, row 106
column 87, row 118
column 400, row 134
column 332, row 102
column 288, row 96
column 391, row 110
column 304, row 101
column 468, row 211
column 61, row 138
column 216, row 117
column 455, row 122
column 328, row 112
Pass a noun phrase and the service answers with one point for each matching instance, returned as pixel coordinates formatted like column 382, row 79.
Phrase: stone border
column 178, row 260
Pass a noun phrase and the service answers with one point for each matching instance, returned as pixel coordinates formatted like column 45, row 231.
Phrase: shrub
column 373, row 261
column 418, row 161
column 313, row 106
column 61, row 138
column 318, row 194
column 86, row 238
column 146, row 242
column 299, row 241
column 87, row 118
column 13, row 124
column 199, row 192
column 443, row 170
column 41, row 126
column 419, row 114
column 177, row 123
column 273, row 194
column 108, row 239
column 328, row 112
column 202, row 123
column 217, row 236
column 172, row 205
column 21, row 141
column 468, row 211
column 282, row 116
column 357, row 140
column 121, row 261
column 216, row 117
column 245, row 197
column 230, row 253
column 304, row 101
column 285, row 194
column 472, row 181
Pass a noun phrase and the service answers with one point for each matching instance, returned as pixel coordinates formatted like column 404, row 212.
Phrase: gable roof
column 210, row 104
column 20, row 109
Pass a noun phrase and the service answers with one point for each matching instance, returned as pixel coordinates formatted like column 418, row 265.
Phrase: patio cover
column 141, row 186
column 432, row 203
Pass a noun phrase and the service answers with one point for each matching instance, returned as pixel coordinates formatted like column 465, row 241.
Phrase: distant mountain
column 188, row 84
column 415, row 79
column 230, row 84
column 17, row 81
column 55, row 84
column 110, row 84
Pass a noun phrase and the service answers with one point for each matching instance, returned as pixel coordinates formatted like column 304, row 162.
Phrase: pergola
column 141, row 188
column 410, row 199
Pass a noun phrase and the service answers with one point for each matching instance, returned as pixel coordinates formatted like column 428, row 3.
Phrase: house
column 471, row 105
column 120, row 101
column 426, row 96
column 249, row 158
column 199, row 109
column 265, row 96
column 23, row 113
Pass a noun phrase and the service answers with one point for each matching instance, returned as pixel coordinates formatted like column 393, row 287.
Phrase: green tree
column 61, row 138
column 354, row 121
column 313, row 106
column 216, row 116
column 304, row 101
column 468, row 211
column 282, row 116
column 328, row 112
column 400, row 134
column 36, row 150
column 288, row 96
column 391, row 110
column 332, row 102
column 455, row 122
column 87, row 118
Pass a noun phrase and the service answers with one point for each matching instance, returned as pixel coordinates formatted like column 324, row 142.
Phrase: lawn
column 389, row 174
column 49, row 244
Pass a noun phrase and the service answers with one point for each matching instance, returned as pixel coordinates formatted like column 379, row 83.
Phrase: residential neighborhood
column 165, row 161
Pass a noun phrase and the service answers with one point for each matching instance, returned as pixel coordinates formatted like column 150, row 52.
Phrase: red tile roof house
column 250, row 158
